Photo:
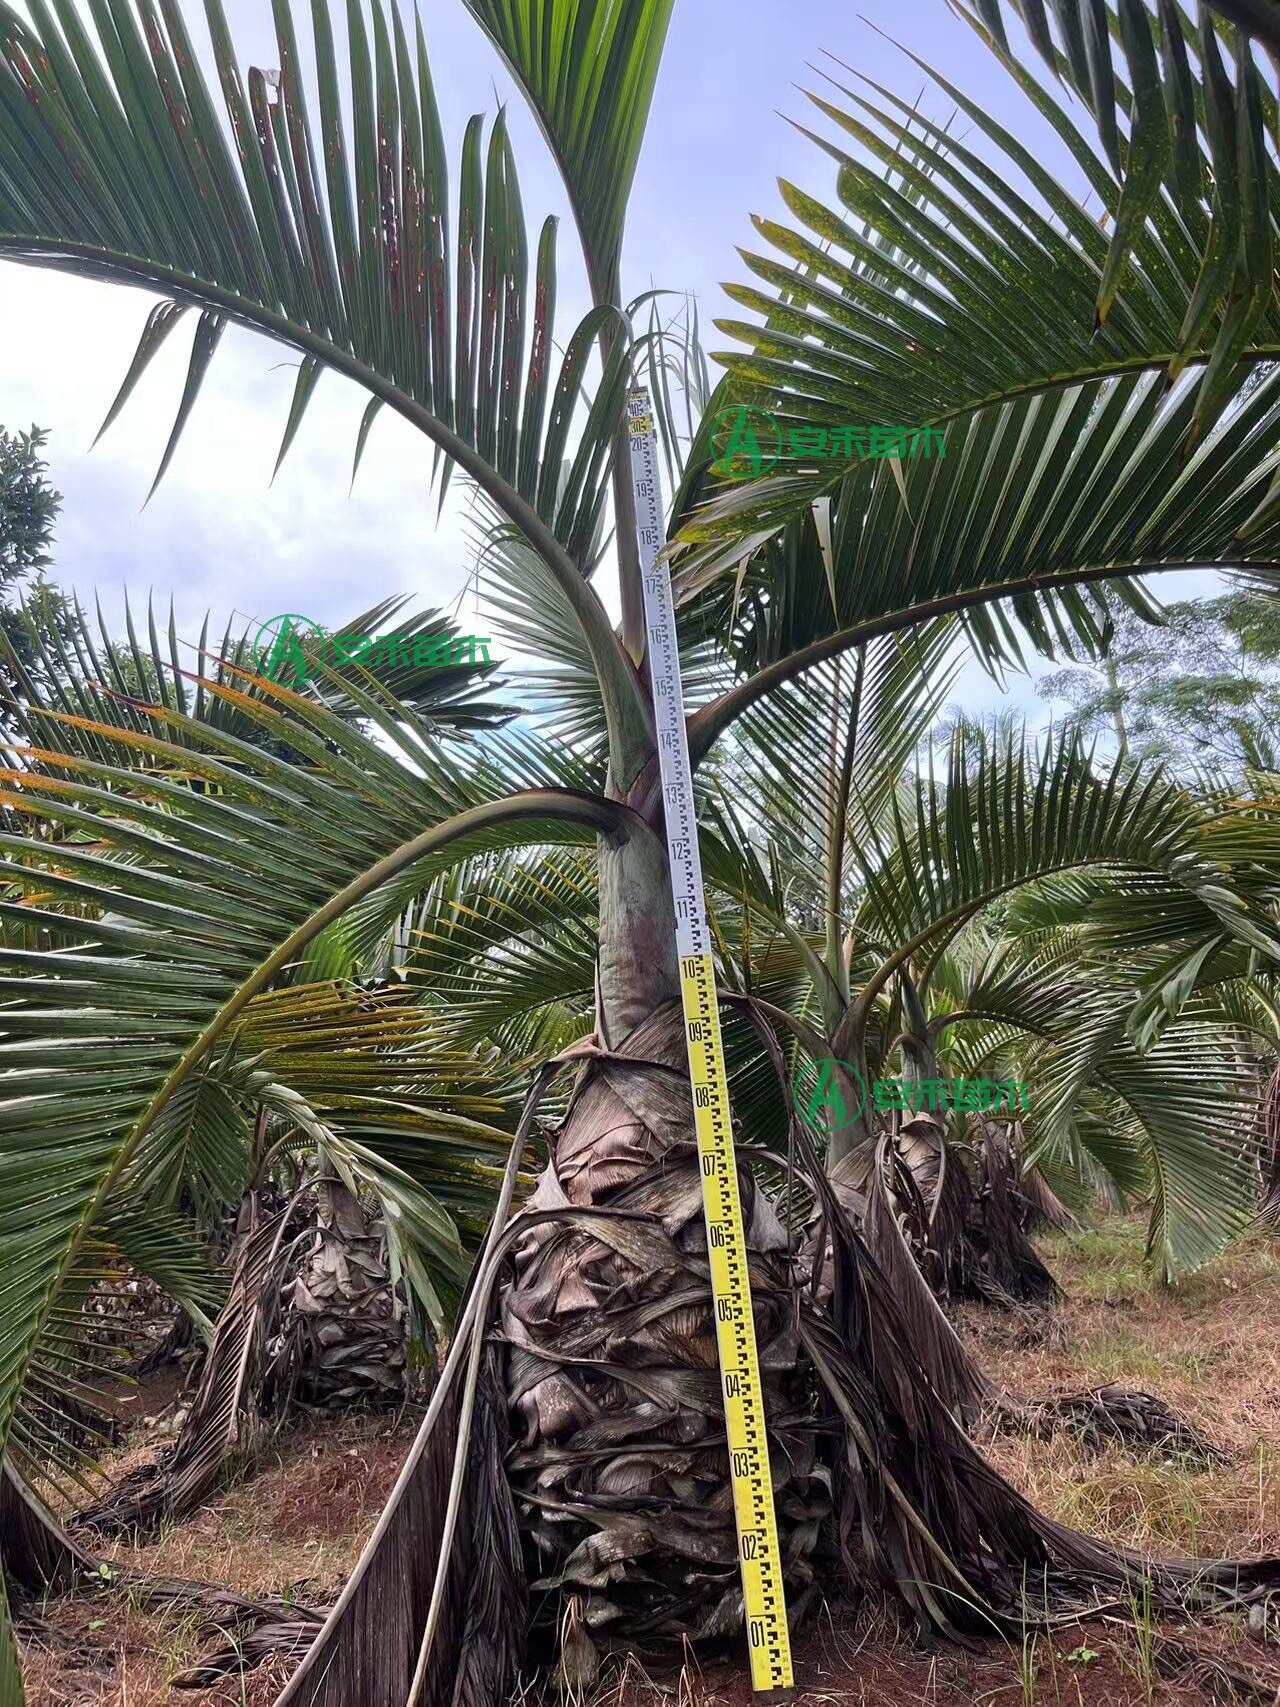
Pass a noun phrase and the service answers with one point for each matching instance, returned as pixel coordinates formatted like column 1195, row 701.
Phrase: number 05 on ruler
column 758, row 1553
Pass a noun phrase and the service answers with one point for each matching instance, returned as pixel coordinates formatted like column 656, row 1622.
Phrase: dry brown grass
column 1209, row 1347
column 295, row 1524
column 290, row 1526
column 107, row 1651
column 869, row 1659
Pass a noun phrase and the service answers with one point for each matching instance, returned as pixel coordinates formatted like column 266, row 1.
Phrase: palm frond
column 79, row 1356
column 1188, row 148
column 1166, row 1123
column 1177, row 1125
column 793, row 747
column 1255, row 16
column 1006, row 816
column 588, row 69
column 112, row 682
column 502, row 946
column 117, row 165
column 192, row 921
column 1065, row 456
column 346, row 253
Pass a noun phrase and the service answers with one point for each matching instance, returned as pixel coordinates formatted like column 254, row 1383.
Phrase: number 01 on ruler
column 758, row 1552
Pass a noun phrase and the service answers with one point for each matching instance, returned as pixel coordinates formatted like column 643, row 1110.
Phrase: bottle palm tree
column 940, row 294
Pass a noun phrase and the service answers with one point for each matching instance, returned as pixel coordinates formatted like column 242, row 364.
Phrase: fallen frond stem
column 1222, row 1679
column 41, row 1559
column 1112, row 1416
column 252, row 1630
column 37, row 1553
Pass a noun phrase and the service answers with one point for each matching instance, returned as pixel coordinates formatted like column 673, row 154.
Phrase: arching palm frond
column 201, row 902
column 62, row 1415
column 116, row 164
column 967, row 309
column 504, row 950
column 1180, row 199
column 1176, row 1127
column 1167, row 1122
column 371, row 1079
column 1005, row 816
column 345, row 254
column 103, row 679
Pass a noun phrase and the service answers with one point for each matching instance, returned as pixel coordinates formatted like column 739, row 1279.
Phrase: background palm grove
column 341, row 1045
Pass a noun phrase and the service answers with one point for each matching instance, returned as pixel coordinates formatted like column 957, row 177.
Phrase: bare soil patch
column 845, row 1660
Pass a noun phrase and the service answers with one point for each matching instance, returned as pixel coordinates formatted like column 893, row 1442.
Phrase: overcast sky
column 216, row 537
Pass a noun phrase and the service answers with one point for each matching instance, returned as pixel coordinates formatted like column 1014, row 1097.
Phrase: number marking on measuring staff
column 759, row 1557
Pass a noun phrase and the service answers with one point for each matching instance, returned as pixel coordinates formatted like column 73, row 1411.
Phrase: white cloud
column 217, row 535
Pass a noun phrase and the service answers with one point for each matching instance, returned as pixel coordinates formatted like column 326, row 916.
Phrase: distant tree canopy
column 29, row 506
column 1203, row 690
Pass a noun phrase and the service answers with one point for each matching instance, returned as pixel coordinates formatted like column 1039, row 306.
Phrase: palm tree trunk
column 224, row 1413
column 637, row 965
column 1116, row 704
column 1005, row 1265
column 619, row 1464
column 344, row 1337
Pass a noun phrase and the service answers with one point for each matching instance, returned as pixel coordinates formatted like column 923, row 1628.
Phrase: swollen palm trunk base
column 619, row 1463
column 342, row 1334
column 1006, row 1264
column 1269, row 1152
column 222, row 1415
column 968, row 1219
column 608, row 1451
column 310, row 1319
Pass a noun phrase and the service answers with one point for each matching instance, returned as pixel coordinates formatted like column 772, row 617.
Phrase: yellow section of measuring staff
column 768, row 1639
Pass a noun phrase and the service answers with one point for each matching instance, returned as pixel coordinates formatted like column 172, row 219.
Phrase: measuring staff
column 758, row 1554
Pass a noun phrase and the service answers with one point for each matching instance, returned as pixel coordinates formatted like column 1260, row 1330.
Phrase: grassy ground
column 1210, row 1348
column 294, row 1525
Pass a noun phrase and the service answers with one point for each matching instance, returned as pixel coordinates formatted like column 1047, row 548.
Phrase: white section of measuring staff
column 758, row 1552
